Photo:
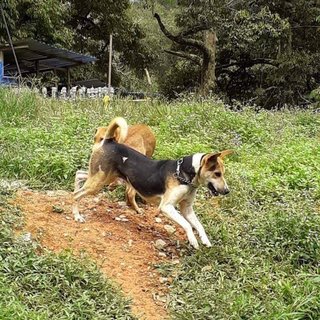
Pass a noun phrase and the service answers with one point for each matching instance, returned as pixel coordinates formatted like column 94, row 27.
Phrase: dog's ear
column 225, row 153
column 211, row 159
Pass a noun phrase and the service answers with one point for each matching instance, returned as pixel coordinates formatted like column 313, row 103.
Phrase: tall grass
column 264, row 263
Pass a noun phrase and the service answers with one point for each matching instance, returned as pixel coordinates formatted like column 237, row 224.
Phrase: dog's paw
column 207, row 244
column 194, row 243
column 206, row 241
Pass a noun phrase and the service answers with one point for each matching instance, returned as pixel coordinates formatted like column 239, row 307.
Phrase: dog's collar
column 184, row 180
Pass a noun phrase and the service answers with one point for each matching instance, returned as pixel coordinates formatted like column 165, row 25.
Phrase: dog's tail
column 118, row 129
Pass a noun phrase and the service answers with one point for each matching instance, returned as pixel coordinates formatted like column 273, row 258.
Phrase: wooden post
column 37, row 68
column 10, row 41
column 148, row 76
column 68, row 81
column 149, row 83
column 110, row 61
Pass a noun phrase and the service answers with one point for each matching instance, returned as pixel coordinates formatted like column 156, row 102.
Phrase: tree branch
column 249, row 63
column 180, row 39
column 192, row 57
column 194, row 30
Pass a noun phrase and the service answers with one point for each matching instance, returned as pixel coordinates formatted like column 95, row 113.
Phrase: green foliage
column 41, row 19
column 266, row 51
column 95, row 21
column 178, row 80
column 315, row 95
column 45, row 286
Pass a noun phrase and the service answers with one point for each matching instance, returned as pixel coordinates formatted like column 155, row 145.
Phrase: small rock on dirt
column 158, row 220
column 163, row 280
column 161, row 298
column 7, row 185
column 122, row 217
column 57, row 209
column 56, row 193
column 26, row 237
column 170, row 229
column 160, row 244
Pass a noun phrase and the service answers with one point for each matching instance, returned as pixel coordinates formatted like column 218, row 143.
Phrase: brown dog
column 138, row 137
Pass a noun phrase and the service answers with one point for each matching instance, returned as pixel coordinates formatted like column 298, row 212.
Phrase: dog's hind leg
column 92, row 185
column 80, row 177
column 131, row 198
column 187, row 211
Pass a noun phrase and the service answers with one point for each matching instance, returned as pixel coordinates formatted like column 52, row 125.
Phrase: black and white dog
column 170, row 182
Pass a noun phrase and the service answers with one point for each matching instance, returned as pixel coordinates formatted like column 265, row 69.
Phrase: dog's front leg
column 172, row 213
column 187, row 211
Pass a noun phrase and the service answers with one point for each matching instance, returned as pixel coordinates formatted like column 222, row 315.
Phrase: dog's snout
column 226, row 191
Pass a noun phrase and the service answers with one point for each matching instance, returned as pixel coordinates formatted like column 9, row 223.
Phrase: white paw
column 193, row 241
column 207, row 243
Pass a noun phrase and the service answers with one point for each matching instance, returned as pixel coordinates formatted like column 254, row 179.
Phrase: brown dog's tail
column 118, row 129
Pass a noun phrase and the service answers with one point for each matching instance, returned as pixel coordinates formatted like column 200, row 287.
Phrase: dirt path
column 121, row 241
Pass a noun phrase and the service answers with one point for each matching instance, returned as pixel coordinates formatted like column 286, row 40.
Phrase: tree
column 41, row 20
column 207, row 48
column 267, row 52
column 199, row 35
column 95, row 20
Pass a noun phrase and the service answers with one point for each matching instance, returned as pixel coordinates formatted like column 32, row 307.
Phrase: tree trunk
column 208, row 74
column 207, row 47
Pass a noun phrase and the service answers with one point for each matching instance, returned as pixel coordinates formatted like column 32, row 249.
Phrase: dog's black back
column 147, row 176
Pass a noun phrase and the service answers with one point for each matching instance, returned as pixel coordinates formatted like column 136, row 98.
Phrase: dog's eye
column 218, row 174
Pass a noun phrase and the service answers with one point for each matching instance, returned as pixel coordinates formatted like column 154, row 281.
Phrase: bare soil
column 121, row 241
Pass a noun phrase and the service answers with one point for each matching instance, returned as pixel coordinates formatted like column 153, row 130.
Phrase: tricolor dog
column 139, row 137
column 170, row 182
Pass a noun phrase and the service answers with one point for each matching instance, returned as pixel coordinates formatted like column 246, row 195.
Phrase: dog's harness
column 183, row 179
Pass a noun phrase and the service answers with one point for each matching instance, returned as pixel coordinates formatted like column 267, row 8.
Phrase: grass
column 264, row 263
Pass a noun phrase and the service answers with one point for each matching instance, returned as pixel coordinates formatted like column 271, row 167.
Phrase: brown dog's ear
column 211, row 158
column 225, row 153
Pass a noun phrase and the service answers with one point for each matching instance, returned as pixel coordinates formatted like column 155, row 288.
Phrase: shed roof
column 34, row 55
